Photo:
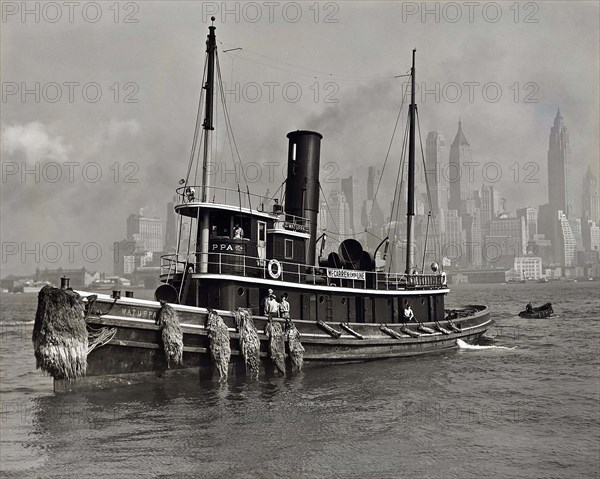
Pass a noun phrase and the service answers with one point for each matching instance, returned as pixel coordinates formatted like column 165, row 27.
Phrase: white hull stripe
column 321, row 288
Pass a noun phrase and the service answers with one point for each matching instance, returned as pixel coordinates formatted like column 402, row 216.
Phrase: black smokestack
column 302, row 186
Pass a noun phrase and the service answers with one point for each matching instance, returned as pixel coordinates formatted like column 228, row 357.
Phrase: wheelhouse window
column 289, row 249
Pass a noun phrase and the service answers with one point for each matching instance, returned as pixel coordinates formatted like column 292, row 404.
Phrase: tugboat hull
column 135, row 352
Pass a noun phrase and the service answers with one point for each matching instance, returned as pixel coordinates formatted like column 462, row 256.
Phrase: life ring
column 274, row 272
column 444, row 279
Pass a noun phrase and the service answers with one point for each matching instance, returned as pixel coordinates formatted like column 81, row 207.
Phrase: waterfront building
column 146, row 232
column 528, row 267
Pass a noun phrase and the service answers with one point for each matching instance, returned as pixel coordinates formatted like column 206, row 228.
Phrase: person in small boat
column 284, row 307
column 408, row 313
column 529, row 307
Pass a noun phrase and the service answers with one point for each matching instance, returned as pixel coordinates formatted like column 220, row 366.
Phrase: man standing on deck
column 284, row 307
column 408, row 313
column 271, row 306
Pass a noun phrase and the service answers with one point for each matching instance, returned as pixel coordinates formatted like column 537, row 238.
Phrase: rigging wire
column 398, row 189
column 246, row 55
column 198, row 123
column 328, row 209
column 387, row 155
column 232, row 142
column 436, row 239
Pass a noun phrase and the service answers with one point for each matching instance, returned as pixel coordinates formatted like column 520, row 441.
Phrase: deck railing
column 251, row 266
column 240, row 199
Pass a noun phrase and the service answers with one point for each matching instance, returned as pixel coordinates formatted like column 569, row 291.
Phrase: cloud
column 118, row 129
column 34, row 143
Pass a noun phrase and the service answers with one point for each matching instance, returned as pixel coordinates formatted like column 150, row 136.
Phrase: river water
column 528, row 407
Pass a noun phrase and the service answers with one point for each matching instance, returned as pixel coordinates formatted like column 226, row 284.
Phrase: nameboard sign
column 295, row 227
column 226, row 247
column 345, row 274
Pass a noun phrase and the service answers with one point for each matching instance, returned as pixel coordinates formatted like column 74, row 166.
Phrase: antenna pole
column 410, row 212
column 211, row 48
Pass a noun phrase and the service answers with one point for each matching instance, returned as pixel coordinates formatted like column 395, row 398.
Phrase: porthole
column 240, row 291
column 343, row 300
column 321, row 299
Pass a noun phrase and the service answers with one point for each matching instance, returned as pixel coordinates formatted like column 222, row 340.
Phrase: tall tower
column 559, row 168
column 436, row 170
column 458, row 172
column 348, row 192
column 590, row 204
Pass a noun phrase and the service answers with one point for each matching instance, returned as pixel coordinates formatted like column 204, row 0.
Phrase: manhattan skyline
column 128, row 148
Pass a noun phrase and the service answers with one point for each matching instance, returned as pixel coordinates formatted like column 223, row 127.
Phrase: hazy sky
column 99, row 101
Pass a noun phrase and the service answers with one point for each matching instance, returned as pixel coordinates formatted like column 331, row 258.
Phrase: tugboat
column 252, row 294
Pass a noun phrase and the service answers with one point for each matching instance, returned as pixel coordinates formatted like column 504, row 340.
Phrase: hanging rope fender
column 249, row 341
column 220, row 348
column 171, row 334
column 60, row 336
column 296, row 348
column 274, row 332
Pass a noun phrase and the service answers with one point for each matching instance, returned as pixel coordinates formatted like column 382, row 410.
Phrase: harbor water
column 527, row 406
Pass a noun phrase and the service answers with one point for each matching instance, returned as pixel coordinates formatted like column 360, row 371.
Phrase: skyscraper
column 436, row 170
column 337, row 214
column 531, row 219
column 559, row 168
column 146, row 232
column 489, row 205
column 567, row 243
column 458, row 172
column 590, row 203
column 348, row 192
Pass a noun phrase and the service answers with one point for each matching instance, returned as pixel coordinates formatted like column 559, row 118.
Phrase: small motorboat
column 540, row 312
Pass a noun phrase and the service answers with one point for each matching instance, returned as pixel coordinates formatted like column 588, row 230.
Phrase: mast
column 211, row 47
column 410, row 212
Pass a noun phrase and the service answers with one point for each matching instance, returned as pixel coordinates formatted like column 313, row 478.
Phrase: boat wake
column 462, row 345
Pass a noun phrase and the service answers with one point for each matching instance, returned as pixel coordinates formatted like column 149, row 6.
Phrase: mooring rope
column 99, row 337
